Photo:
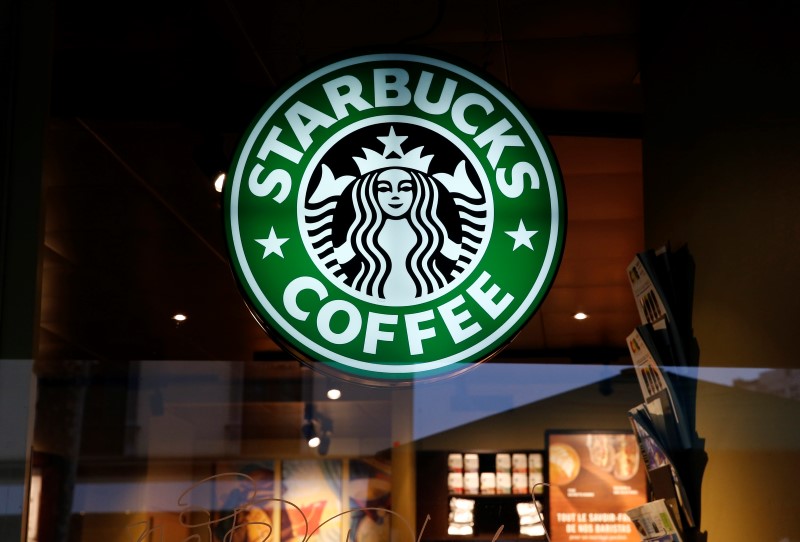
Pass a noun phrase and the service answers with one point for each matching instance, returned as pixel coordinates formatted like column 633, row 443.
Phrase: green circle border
column 502, row 334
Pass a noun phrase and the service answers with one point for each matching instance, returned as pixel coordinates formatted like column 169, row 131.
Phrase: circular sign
column 394, row 218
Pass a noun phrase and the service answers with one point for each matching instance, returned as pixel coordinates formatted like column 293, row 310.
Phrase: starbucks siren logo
column 386, row 235
column 394, row 218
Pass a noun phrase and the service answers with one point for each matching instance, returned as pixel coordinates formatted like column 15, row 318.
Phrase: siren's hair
column 422, row 217
column 431, row 233
column 363, row 236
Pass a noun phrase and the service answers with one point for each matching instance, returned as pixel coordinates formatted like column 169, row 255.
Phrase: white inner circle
column 397, row 230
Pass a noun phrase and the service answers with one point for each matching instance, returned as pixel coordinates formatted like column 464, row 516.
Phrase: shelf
column 494, row 495
column 491, row 510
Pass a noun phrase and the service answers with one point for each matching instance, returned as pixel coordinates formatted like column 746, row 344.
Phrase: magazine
column 655, row 522
column 665, row 410
column 649, row 302
column 661, row 282
column 655, row 457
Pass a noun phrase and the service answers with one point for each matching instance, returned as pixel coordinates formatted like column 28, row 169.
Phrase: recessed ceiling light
column 580, row 316
column 179, row 317
column 219, row 182
column 334, row 394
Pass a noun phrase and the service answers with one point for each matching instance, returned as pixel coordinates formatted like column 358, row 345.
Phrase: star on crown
column 373, row 160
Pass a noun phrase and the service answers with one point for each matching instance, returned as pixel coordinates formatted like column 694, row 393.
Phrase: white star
column 272, row 244
column 392, row 143
column 522, row 236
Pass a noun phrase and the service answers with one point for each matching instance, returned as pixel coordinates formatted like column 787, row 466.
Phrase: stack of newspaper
column 663, row 424
column 461, row 517
column 530, row 518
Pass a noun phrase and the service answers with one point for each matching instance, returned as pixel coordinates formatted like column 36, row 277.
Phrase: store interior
column 670, row 125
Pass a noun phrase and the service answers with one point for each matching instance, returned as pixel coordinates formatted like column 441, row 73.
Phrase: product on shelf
column 488, row 483
column 471, row 463
column 535, row 482
column 535, row 473
column 462, row 504
column 519, row 483
column 502, row 462
column 519, row 462
column 471, row 483
column 532, row 530
column 503, row 480
column 535, row 462
column 488, row 489
column 457, row 529
column 455, row 463
column 455, row 482
column 530, row 518
column 461, row 517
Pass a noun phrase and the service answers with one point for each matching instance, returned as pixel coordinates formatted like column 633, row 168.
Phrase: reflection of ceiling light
column 334, row 394
column 316, row 429
column 219, row 182
column 179, row 317
column 309, row 432
column 309, row 427
column 580, row 316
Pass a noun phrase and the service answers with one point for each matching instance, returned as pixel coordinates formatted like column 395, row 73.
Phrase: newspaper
column 655, row 457
column 662, row 284
column 662, row 404
column 655, row 522
column 649, row 302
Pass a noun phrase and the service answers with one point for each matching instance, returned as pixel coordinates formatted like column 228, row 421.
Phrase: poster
column 244, row 501
column 370, row 495
column 314, row 489
column 246, row 497
column 595, row 477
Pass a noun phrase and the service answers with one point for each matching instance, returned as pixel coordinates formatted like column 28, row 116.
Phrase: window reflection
column 206, row 448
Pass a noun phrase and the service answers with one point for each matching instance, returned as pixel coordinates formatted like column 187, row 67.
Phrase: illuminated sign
column 394, row 217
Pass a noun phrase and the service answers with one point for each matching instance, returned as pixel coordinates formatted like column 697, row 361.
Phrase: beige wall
column 750, row 484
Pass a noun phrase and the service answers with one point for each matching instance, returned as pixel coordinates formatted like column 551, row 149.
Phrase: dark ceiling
column 210, row 64
column 149, row 98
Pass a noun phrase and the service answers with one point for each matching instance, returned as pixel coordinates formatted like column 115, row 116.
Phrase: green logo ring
column 462, row 206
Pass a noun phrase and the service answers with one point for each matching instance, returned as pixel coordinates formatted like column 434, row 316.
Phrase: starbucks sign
column 394, row 217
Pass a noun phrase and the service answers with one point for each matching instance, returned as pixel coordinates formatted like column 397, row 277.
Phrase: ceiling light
column 309, row 427
column 309, row 433
column 334, row 394
column 580, row 316
column 179, row 317
column 219, row 182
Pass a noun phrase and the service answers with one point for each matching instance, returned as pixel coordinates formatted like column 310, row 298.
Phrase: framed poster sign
column 595, row 477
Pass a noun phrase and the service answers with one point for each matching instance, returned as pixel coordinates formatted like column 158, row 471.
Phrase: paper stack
column 461, row 517
column 530, row 519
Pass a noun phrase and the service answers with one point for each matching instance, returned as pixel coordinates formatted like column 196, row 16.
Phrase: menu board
column 595, row 477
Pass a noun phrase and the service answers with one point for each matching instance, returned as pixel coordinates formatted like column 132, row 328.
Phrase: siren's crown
column 373, row 161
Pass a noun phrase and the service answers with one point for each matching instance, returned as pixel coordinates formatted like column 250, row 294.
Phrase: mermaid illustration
column 395, row 232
